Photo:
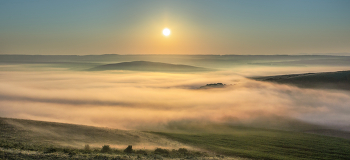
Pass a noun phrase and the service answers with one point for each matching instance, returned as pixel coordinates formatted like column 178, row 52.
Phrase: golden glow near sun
column 166, row 31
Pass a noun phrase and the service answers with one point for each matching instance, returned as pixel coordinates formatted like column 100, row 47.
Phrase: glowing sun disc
column 166, row 32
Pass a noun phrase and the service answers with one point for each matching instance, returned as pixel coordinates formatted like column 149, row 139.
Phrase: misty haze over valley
column 44, row 87
column 175, row 80
column 173, row 94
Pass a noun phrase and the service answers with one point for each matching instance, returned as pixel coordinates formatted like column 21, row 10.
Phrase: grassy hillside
column 266, row 144
column 28, row 139
column 26, row 133
column 328, row 80
column 149, row 66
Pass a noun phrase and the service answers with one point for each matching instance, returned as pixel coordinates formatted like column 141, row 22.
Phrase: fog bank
column 131, row 100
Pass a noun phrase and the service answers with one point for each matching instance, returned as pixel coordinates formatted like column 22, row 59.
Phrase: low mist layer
column 131, row 100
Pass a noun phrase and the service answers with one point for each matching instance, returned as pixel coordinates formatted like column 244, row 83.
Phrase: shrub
column 87, row 147
column 128, row 149
column 141, row 152
column 50, row 150
column 182, row 150
column 117, row 151
column 106, row 149
column 67, row 150
column 96, row 150
column 158, row 157
column 161, row 151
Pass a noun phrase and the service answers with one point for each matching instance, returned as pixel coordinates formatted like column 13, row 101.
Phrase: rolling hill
column 149, row 66
column 28, row 139
column 325, row 80
column 63, row 134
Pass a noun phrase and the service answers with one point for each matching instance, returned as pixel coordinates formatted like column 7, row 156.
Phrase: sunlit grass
column 267, row 144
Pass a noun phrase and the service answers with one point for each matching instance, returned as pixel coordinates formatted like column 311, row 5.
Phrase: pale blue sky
column 198, row 27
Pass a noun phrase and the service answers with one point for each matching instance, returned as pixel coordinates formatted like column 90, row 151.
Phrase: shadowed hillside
column 30, row 139
column 149, row 66
column 62, row 134
column 326, row 80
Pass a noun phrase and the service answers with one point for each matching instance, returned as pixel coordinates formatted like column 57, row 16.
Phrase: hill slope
column 49, row 140
column 61, row 134
column 327, row 80
column 267, row 144
column 149, row 66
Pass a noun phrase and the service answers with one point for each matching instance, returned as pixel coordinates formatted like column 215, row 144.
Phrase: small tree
column 106, row 149
column 128, row 149
column 87, row 147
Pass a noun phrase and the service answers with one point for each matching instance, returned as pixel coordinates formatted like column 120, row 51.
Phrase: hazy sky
column 198, row 27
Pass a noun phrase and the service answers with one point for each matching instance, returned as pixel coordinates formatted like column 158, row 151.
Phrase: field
column 27, row 139
column 267, row 144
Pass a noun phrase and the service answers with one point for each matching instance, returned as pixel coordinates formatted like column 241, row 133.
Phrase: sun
column 166, row 31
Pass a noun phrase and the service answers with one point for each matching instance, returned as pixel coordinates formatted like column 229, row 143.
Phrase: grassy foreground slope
column 29, row 139
column 266, row 144
column 38, row 135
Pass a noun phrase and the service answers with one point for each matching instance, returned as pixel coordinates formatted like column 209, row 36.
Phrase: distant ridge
column 149, row 66
column 326, row 80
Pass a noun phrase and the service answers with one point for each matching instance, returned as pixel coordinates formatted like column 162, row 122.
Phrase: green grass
column 28, row 139
column 267, row 144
